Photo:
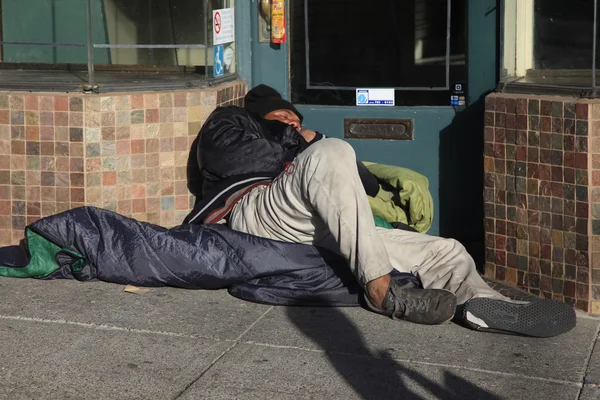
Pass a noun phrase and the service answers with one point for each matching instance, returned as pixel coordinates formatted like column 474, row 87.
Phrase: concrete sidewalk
column 71, row 340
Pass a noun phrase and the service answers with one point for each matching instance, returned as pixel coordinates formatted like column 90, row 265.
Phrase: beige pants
column 320, row 200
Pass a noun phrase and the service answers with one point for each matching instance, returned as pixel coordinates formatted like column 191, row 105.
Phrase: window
column 113, row 44
column 549, row 45
column 417, row 47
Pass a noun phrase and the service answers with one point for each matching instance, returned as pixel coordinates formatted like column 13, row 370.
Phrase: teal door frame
column 448, row 142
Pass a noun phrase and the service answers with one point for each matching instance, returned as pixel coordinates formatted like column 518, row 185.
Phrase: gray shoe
column 538, row 318
column 421, row 306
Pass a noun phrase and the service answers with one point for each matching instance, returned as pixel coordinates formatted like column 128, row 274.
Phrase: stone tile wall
column 123, row 152
column 539, row 172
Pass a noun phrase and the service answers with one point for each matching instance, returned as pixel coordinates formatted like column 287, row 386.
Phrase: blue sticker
column 219, row 65
column 363, row 97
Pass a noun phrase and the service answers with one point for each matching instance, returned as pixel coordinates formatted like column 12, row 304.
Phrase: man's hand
column 308, row 135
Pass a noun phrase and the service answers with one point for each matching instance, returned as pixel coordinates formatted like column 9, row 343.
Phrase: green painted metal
column 243, row 44
column 269, row 62
column 47, row 24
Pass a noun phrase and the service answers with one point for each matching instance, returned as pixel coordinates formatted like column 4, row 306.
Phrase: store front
column 495, row 102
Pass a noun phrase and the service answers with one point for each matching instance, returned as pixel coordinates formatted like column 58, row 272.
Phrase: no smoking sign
column 218, row 22
column 223, row 26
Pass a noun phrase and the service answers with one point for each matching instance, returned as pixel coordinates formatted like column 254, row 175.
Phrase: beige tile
column 123, row 103
column 209, row 98
column 194, row 114
column 166, row 130
column 165, row 100
column 93, row 104
column 107, row 103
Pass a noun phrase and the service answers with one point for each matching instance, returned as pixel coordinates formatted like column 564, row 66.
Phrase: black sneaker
column 422, row 306
column 538, row 318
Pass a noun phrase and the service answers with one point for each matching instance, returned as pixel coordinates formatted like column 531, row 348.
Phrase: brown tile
column 18, row 147
column 33, row 208
column 77, row 179
column 123, row 147
column 107, row 119
column 47, row 133
column 124, row 207
column 61, row 103
column 76, row 164
column 546, row 108
column 4, row 117
column 138, row 190
column 488, row 135
column 32, row 133
column 122, row 133
column 109, row 178
column 152, row 116
column 78, row 195
column 581, row 110
column 5, row 192
column 108, row 133
column 546, row 124
column 31, row 102
column 581, row 161
column 138, row 146
column 137, row 102
column 47, row 178
column 522, row 106
column 195, row 114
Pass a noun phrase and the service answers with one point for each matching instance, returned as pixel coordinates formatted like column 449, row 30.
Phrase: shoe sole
column 541, row 318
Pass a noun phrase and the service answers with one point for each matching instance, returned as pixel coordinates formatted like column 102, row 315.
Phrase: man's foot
column 538, row 318
column 422, row 306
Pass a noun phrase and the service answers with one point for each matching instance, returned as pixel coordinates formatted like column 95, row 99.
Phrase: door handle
column 264, row 7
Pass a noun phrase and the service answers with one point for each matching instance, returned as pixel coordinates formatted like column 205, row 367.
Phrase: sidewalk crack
column 235, row 343
column 586, row 364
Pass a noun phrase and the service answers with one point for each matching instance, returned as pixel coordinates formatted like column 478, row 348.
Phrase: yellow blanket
column 402, row 189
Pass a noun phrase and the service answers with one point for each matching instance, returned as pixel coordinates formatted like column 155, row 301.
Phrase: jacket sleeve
column 233, row 144
column 369, row 181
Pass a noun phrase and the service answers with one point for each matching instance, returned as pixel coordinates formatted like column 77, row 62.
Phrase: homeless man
column 263, row 174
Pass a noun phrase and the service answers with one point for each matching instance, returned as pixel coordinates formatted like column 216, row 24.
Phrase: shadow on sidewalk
column 374, row 374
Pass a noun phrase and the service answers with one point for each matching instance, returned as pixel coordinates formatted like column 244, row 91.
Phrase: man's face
column 285, row 116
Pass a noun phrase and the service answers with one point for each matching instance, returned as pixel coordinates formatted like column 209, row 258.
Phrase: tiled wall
column 123, row 152
column 539, row 163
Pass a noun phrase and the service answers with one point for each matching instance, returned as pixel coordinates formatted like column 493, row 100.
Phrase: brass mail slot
column 377, row 128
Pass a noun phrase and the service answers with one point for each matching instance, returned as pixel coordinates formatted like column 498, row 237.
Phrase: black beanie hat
column 263, row 99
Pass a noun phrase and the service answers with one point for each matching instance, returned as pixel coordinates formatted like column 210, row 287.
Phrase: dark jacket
column 236, row 149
